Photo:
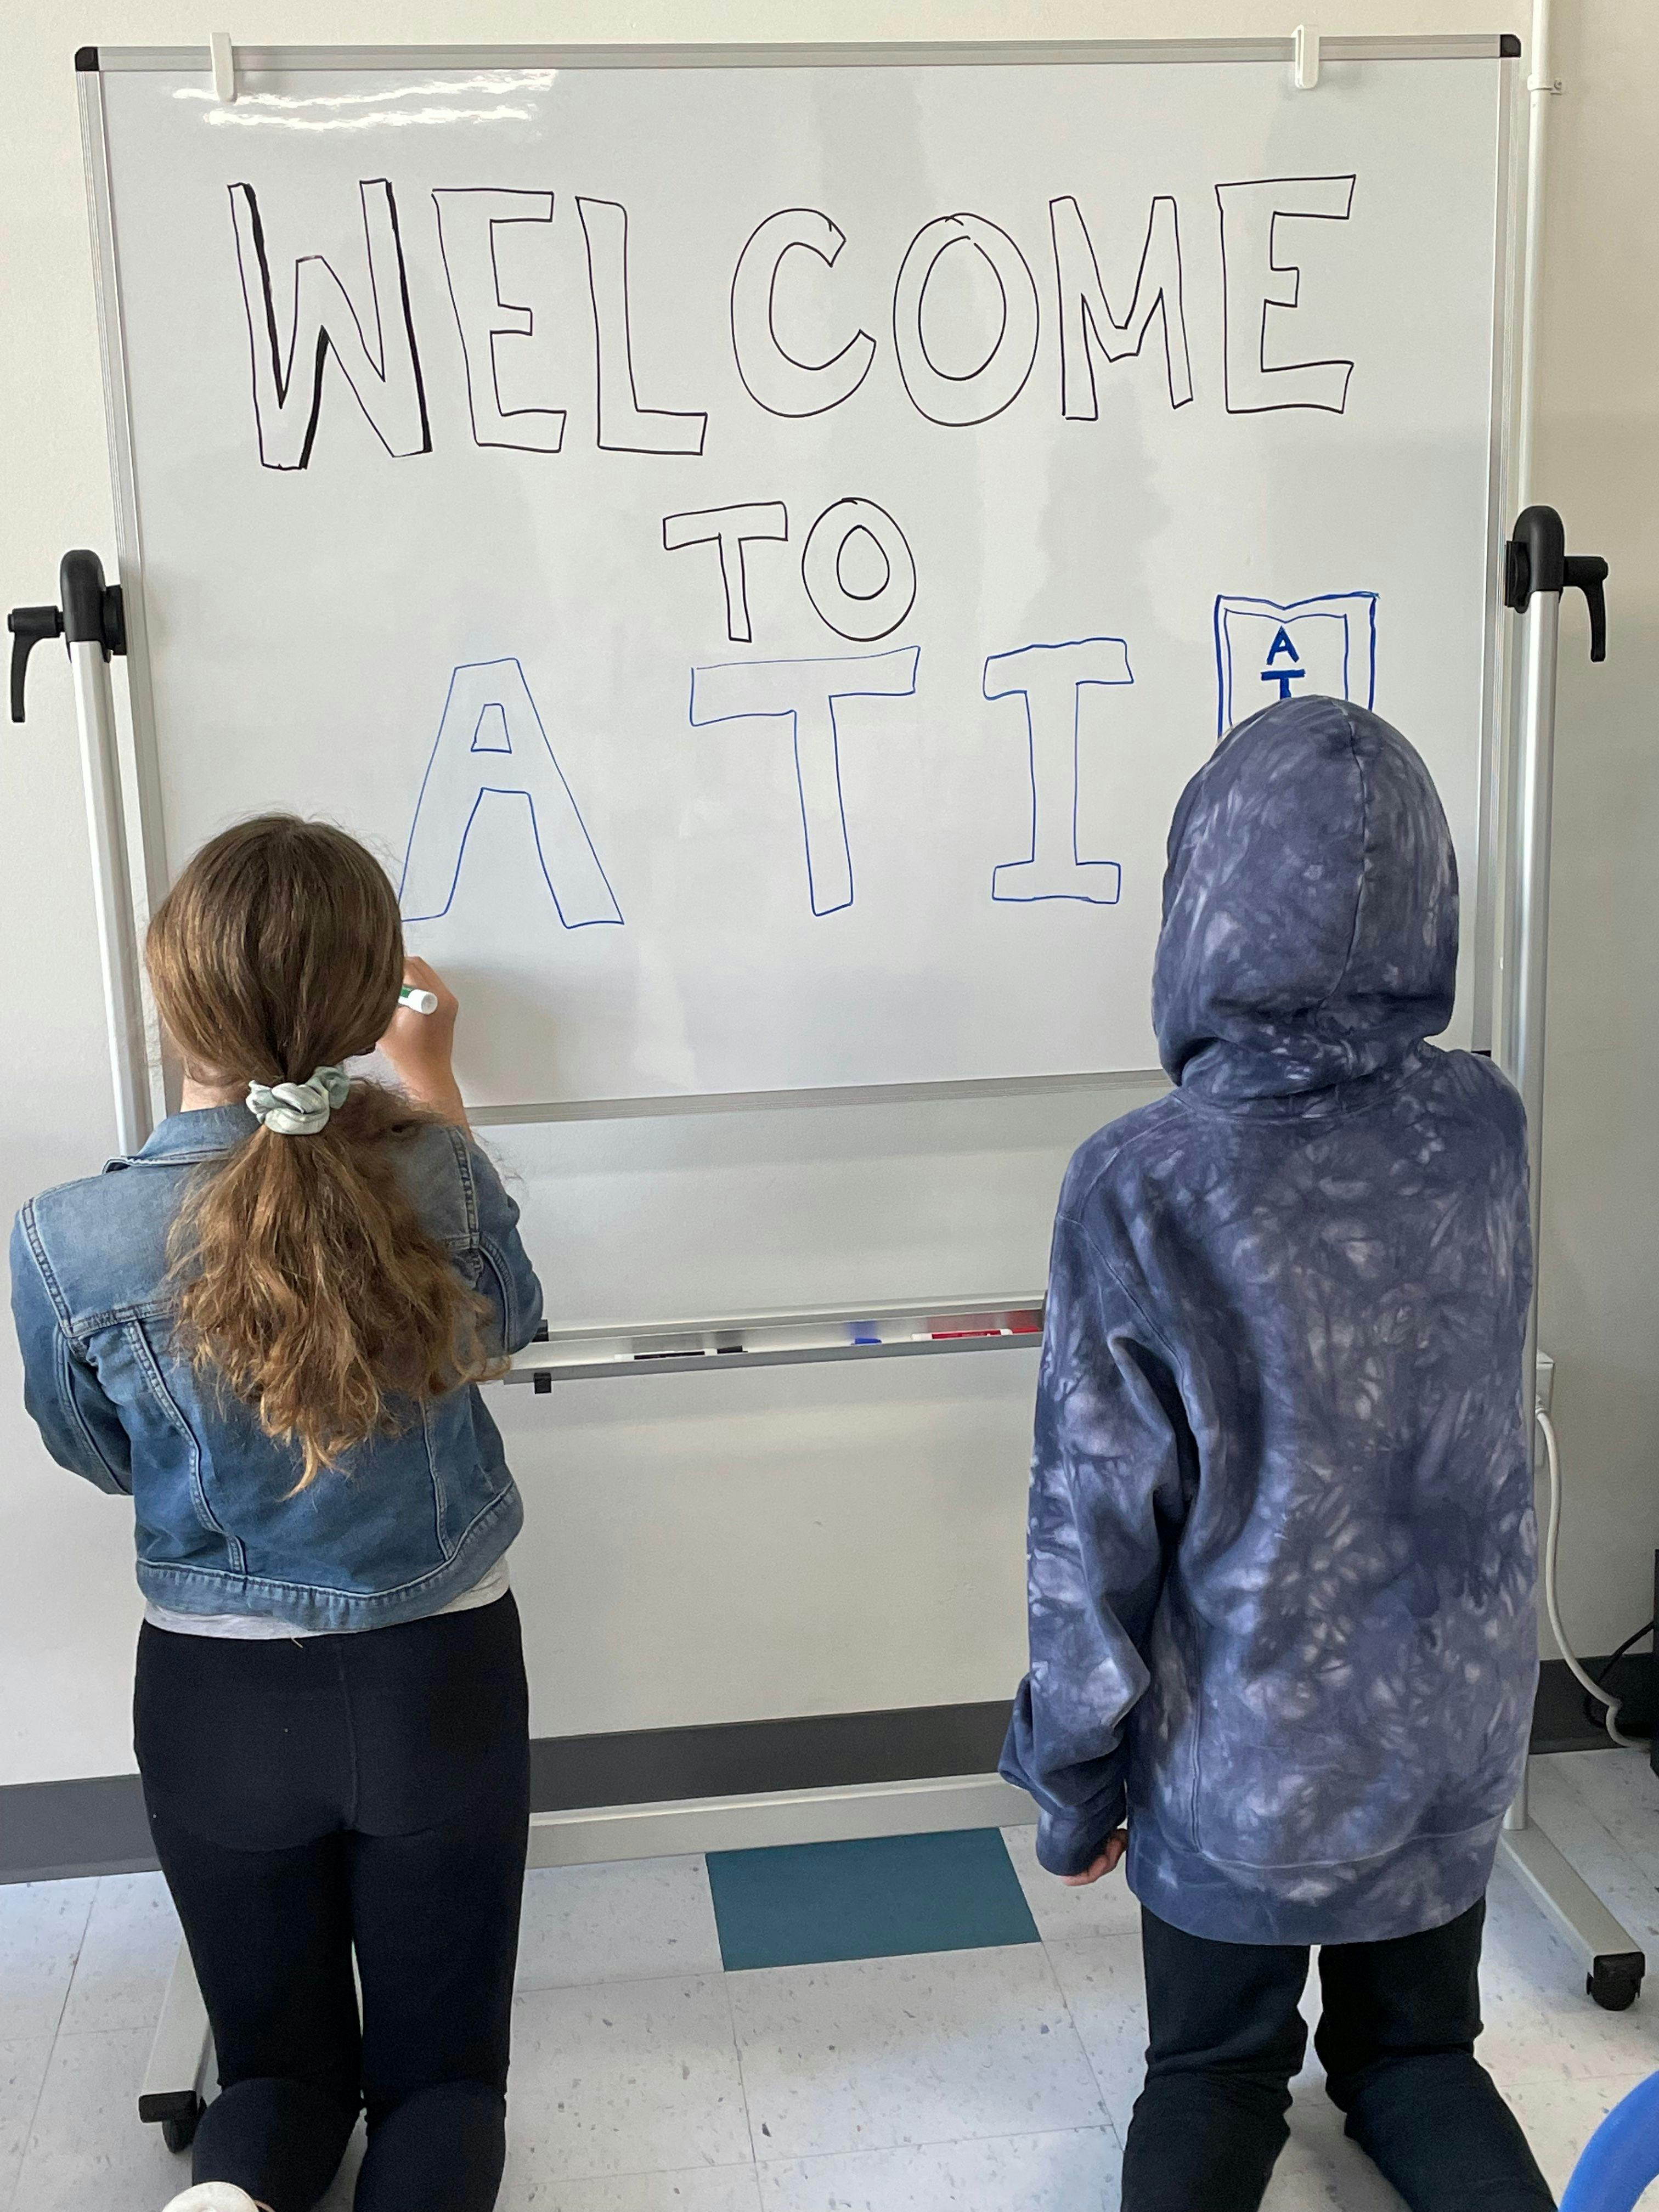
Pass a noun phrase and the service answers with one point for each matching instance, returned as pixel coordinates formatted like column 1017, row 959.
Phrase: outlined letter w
column 383, row 368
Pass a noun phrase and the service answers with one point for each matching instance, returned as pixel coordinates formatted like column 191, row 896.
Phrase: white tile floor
column 647, row 2080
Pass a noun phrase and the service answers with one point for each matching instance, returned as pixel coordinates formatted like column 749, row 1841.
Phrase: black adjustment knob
column 1587, row 573
column 28, row 627
column 1536, row 559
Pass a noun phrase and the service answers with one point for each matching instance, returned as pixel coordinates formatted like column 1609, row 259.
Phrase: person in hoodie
column 1281, row 1540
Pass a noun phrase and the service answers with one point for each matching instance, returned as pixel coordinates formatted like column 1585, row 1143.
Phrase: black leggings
column 1396, row 2039
column 311, row 1799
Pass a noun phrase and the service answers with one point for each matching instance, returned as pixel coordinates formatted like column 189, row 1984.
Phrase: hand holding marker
column 421, row 1042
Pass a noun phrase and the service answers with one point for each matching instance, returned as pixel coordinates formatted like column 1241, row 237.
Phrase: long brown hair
column 303, row 1275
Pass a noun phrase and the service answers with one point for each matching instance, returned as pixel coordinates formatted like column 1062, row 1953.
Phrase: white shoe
column 213, row 2196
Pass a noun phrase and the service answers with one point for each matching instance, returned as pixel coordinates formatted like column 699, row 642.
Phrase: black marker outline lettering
column 269, row 363
column 962, row 411
column 760, row 518
column 1094, row 318
column 820, row 572
column 816, row 232
column 1267, row 297
column 678, row 439
column 522, row 322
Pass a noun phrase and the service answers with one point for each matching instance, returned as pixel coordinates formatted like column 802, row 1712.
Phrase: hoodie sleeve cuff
column 1070, row 1843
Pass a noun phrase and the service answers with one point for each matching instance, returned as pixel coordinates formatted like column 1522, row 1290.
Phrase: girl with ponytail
column 268, row 1328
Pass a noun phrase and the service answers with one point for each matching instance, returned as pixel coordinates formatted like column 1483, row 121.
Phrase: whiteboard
column 758, row 544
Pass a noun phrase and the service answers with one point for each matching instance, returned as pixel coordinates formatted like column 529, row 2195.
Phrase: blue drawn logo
column 1266, row 650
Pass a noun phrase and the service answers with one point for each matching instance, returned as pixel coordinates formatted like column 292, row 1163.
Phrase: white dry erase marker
column 422, row 1002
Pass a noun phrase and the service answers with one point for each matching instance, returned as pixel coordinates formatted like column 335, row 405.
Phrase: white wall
column 1598, row 461
column 820, row 1541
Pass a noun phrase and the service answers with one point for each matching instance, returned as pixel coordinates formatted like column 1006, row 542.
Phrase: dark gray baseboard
column 1560, row 1720
column 96, row 1824
column 52, row 1830
column 736, row 1758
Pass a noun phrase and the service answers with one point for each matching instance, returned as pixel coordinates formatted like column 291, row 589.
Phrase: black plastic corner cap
column 1535, row 558
column 1509, row 46
column 85, row 58
column 93, row 613
column 80, row 595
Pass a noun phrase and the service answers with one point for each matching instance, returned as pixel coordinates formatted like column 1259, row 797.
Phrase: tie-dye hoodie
column 1281, row 1542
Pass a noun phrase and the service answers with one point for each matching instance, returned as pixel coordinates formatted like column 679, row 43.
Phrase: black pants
column 364, row 1794
column 1396, row 2040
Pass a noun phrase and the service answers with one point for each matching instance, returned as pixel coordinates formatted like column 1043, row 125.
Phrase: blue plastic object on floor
column 1621, row 2158
column 880, row 1897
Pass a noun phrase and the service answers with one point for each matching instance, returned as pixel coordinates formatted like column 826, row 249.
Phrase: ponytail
column 304, row 1278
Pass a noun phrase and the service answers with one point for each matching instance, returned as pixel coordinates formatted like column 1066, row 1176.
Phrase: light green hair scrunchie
column 299, row 1109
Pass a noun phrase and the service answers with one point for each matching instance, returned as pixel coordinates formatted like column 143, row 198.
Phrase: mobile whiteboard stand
column 1538, row 569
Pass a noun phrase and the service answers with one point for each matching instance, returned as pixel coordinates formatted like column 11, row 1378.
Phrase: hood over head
column 1310, row 908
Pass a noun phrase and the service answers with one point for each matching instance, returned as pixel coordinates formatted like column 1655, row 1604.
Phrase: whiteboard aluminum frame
column 1476, row 46
column 1497, row 864
column 136, row 751
column 149, row 868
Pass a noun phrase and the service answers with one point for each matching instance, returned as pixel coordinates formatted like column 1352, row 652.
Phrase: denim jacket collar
column 201, row 1134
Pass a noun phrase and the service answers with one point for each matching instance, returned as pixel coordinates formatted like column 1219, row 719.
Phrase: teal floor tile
column 877, row 1897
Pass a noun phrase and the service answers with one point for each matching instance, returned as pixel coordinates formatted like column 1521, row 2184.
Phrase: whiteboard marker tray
column 901, row 1329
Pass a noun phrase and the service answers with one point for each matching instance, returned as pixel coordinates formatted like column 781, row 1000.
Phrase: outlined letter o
column 859, row 615
column 1000, row 378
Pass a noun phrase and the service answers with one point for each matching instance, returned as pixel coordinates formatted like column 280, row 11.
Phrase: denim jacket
column 1281, row 1531
column 405, row 1523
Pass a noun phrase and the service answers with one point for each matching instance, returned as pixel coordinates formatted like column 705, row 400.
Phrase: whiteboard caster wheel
column 1615, row 1983
column 179, row 2122
column 179, row 2132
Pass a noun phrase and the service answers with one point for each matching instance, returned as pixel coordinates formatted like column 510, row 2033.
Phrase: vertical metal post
column 92, row 622
column 1534, row 804
column 1542, row 88
column 1538, row 570
column 117, row 949
column 1535, row 799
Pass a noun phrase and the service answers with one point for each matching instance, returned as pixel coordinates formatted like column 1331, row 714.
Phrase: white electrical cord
column 1552, row 1542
